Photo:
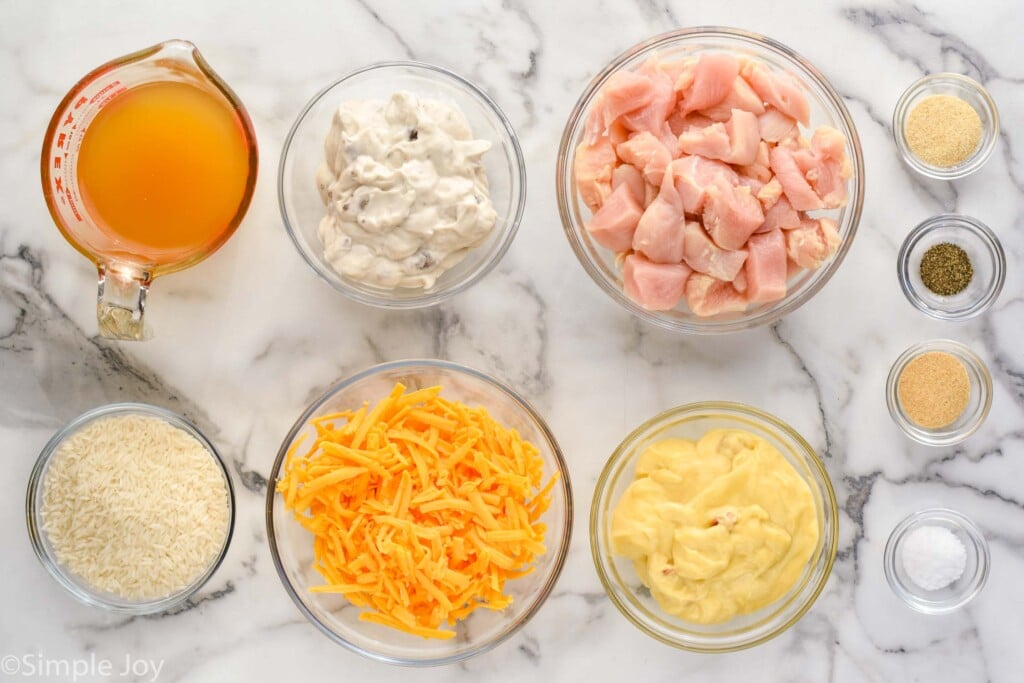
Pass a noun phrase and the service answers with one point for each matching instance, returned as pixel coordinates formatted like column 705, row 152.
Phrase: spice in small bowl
column 936, row 561
column 939, row 392
column 946, row 126
column 951, row 267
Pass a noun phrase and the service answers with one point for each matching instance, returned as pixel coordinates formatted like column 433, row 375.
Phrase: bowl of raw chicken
column 710, row 180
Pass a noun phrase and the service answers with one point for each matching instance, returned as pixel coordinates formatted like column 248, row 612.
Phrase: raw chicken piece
column 741, row 96
column 710, row 141
column 625, row 91
column 615, row 222
column 766, row 267
column 780, row 215
column 744, row 138
column 704, row 256
column 646, row 152
column 774, row 126
column 778, row 90
column 593, row 167
column 694, row 174
column 650, row 193
column 768, row 195
column 670, row 140
column 651, row 116
column 659, row 234
column 712, row 81
column 735, row 141
column 618, row 133
column 595, row 128
column 707, row 296
column 813, row 242
column 677, row 124
column 630, row 177
column 739, row 283
column 794, row 184
column 682, row 72
column 832, row 170
column 753, row 184
column 655, row 286
column 731, row 215
column 761, row 168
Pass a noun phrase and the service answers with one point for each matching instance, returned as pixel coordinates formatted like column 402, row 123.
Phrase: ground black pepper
column 946, row 269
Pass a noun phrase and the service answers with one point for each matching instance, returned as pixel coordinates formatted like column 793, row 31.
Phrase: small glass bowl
column 982, row 247
column 73, row 583
column 977, row 407
column 302, row 208
column 961, row 591
column 966, row 89
column 618, row 576
column 291, row 545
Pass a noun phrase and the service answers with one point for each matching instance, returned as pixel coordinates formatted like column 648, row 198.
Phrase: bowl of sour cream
column 402, row 184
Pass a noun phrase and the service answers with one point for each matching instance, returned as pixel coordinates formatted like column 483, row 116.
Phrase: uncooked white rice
column 135, row 506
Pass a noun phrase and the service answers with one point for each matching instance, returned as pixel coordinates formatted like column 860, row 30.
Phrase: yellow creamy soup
column 715, row 528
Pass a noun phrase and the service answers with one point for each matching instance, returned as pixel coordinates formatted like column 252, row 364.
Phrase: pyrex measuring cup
column 126, row 269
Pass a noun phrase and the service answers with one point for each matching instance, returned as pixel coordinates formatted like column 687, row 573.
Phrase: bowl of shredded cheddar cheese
column 419, row 512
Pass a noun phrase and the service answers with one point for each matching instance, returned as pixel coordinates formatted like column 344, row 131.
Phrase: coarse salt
column 933, row 557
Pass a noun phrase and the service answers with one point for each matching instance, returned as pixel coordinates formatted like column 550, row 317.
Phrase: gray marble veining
column 246, row 339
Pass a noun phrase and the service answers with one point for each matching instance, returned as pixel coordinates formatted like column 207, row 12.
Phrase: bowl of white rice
column 130, row 508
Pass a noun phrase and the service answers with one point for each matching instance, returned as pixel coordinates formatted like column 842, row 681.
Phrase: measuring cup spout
column 121, row 303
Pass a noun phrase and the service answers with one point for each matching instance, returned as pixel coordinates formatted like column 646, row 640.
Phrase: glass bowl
column 625, row 588
column 74, row 584
column 302, row 208
column 961, row 591
column 292, row 546
column 966, row 89
column 977, row 407
column 827, row 108
column 982, row 247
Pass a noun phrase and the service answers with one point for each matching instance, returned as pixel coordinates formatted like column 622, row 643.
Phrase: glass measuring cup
column 127, row 266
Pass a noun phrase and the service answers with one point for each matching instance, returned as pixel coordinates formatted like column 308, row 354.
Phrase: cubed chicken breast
column 659, row 233
column 781, row 215
column 779, row 90
column 766, row 267
column 704, row 256
column 623, row 92
column 615, row 222
column 655, row 286
column 652, row 115
column 795, row 186
column 812, row 243
column 707, row 296
column 647, row 154
column 774, row 126
column 731, row 215
column 630, row 177
column 713, row 79
column 593, row 166
column 741, row 96
column 761, row 168
column 694, row 174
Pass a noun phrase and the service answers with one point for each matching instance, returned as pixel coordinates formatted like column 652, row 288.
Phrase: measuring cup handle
column 121, row 302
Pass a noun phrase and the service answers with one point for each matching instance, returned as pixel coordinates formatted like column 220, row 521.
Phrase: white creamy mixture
column 405, row 190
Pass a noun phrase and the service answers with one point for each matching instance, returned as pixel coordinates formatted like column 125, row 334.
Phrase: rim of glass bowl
column 967, row 525
column 989, row 135
column 434, row 296
column 980, row 231
column 729, row 409
column 971, row 361
column 79, row 589
column 564, row 483
column 566, row 191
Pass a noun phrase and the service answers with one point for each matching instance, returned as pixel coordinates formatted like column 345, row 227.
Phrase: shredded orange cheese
column 421, row 508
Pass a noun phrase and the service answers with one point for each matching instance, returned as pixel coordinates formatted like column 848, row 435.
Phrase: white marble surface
column 247, row 338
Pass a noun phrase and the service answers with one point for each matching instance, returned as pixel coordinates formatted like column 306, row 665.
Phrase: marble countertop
column 246, row 339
